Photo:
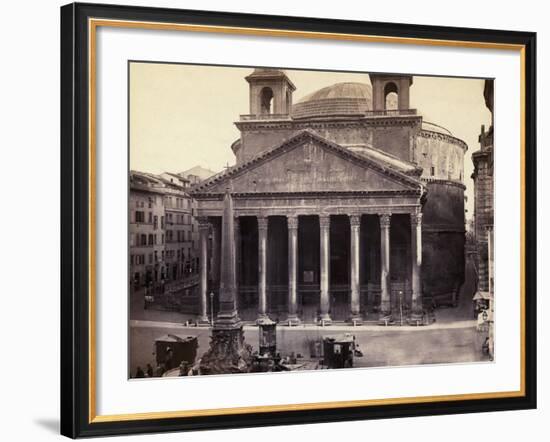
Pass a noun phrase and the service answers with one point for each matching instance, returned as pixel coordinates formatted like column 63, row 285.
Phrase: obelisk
column 228, row 352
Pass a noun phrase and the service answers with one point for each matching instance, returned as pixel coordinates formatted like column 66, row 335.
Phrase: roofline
column 306, row 133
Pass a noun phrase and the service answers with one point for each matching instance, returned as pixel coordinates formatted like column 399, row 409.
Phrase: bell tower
column 270, row 92
column 385, row 84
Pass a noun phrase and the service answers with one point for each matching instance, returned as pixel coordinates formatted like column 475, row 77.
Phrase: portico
column 322, row 247
column 322, row 283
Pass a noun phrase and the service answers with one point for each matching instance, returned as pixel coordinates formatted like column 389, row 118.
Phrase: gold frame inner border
column 93, row 24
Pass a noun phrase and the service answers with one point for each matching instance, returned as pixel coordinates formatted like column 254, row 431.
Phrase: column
column 355, row 303
column 237, row 228
column 292, row 222
column 324, row 227
column 490, row 259
column 215, row 270
column 490, row 262
column 262, row 268
column 416, row 267
column 204, row 228
column 385, row 307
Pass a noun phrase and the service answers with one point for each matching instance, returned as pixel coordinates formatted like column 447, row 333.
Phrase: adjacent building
column 348, row 205
column 162, row 230
column 484, row 196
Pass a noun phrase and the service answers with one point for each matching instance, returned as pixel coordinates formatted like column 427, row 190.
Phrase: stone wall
column 443, row 235
column 443, row 153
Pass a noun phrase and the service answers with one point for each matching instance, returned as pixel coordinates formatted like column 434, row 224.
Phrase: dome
column 340, row 99
column 432, row 127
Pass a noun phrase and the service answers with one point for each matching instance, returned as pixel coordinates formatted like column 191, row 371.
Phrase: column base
column 263, row 319
column 228, row 353
column 416, row 318
column 325, row 320
column 293, row 320
column 355, row 319
column 385, row 318
column 204, row 321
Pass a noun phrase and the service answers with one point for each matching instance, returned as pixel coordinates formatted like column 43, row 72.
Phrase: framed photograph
column 280, row 220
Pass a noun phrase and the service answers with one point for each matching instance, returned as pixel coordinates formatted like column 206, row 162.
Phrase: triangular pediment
column 309, row 163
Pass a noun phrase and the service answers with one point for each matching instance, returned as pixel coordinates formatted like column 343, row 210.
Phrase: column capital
column 262, row 223
column 204, row 222
column 292, row 221
column 355, row 220
column 385, row 219
column 324, row 220
column 416, row 218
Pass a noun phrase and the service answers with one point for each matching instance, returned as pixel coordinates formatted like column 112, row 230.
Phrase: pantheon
column 348, row 205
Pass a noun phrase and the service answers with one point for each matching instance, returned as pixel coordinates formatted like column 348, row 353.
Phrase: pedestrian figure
column 168, row 361
column 159, row 371
column 149, row 370
column 184, row 368
column 139, row 373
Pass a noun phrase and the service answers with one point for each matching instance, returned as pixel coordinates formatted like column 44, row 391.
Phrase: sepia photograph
column 286, row 220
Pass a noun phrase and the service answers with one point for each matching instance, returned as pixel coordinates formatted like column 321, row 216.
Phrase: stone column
column 204, row 228
column 490, row 262
column 292, row 222
column 490, row 259
column 215, row 269
column 385, row 283
column 416, row 256
column 355, row 303
column 237, row 227
column 262, row 269
column 324, row 227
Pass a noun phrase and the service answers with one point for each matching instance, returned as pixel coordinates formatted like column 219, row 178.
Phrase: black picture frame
column 75, row 220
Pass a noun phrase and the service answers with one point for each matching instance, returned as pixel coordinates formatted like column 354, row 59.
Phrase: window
column 433, row 171
column 150, row 217
column 162, row 239
column 150, row 202
column 162, row 222
column 140, row 216
column 391, row 99
column 150, row 258
column 266, row 99
column 155, row 222
column 143, row 239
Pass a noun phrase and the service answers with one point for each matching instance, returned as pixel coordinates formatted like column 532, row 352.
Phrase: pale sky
column 182, row 115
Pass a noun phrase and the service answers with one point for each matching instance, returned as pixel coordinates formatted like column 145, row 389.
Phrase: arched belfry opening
column 266, row 98
column 270, row 93
column 391, row 96
column 390, row 92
